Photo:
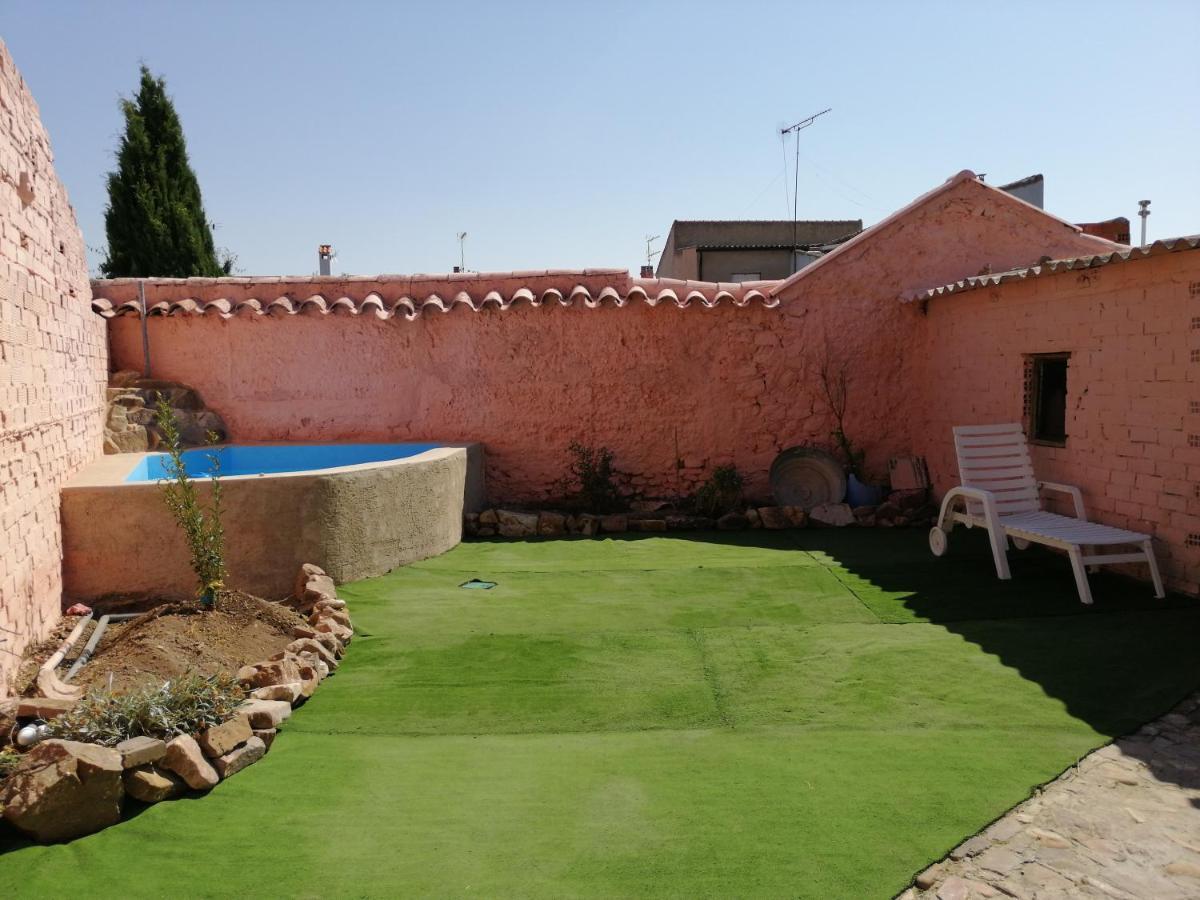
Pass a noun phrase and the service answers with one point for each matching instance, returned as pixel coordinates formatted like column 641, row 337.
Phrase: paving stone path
column 1124, row 823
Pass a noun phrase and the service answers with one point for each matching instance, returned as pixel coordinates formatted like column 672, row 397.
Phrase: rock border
column 901, row 509
column 61, row 790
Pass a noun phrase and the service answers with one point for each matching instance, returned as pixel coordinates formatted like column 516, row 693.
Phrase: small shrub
column 202, row 527
column 591, row 479
column 720, row 494
column 184, row 705
column 8, row 761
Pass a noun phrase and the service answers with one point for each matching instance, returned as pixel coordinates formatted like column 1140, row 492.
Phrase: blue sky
column 560, row 134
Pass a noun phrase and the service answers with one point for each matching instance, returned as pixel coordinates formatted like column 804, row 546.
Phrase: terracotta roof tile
column 411, row 296
column 1051, row 266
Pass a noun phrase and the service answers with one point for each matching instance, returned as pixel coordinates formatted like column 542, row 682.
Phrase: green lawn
column 806, row 714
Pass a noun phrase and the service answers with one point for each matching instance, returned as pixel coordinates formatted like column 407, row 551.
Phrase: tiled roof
column 1051, row 266
column 409, row 296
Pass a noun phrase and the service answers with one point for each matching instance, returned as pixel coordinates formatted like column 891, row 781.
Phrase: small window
column 739, row 277
column 1048, row 398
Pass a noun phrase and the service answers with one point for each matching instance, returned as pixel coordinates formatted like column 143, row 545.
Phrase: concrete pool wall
column 353, row 521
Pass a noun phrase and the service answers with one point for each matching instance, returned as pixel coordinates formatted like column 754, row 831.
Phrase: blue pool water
column 272, row 458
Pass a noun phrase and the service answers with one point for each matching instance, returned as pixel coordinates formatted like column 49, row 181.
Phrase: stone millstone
column 186, row 759
column 151, row 785
column 236, row 760
column 63, row 790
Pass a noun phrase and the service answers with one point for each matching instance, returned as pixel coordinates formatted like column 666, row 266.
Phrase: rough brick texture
column 53, row 361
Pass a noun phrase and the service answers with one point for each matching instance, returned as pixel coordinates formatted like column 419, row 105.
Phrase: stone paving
column 1123, row 823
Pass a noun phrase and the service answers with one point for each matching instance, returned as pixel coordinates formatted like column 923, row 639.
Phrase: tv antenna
column 650, row 253
column 783, row 132
column 462, row 253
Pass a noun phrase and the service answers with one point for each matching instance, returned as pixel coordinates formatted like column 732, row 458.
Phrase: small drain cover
column 476, row 584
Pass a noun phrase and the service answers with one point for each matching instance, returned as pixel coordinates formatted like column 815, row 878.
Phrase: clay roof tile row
column 1051, row 266
column 392, row 297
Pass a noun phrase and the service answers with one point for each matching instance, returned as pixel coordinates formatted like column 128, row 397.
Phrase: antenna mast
column 796, row 129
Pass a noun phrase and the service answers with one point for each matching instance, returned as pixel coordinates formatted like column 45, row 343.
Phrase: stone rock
column 288, row 693
column 487, row 531
column 774, row 518
column 326, row 613
column 753, row 518
column 310, row 645
column 185, row 758
column 470, row 524
column 835, row 514
column 220, row 739
column 1049, row 838
column 797, row 515
column 930, row 876
column 732, row 521
column 329, row 603
column 516, row 524
column 235, row 760
column 281, row 671
column 265, row 713
column 615, row 523
column 648, row 525
column 954, row 888
column 151, row 785
column 140, row 751
column 42, row 707
column 328, row 641
column 1184, row 868
column 1000, row 860
column 886, row 512
column 907, row 500
column 689, row 523
column 588, row 524
column 551, row 524
column 266, row 735
column 126, row 378
column 339, row 631
column 63, row 790
column 489, row 517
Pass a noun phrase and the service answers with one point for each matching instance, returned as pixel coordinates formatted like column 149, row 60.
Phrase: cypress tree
column 155, row 218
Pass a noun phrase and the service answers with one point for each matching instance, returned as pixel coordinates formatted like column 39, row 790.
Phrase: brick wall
column 53, row 363
column 1133, row 334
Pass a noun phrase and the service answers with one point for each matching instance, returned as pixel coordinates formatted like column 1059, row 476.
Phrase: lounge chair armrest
column 1074, row 492
column 987, row 498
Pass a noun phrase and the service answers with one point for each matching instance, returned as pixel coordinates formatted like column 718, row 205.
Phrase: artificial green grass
column 809, row 714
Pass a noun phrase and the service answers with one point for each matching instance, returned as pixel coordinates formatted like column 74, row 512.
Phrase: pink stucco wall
column 1133, row 435
column 53, row 358
column 674, row 392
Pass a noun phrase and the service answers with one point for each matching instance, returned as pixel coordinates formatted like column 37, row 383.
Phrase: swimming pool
column 273, row 459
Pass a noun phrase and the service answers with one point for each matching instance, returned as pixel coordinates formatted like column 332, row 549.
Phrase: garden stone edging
column 907, row 508
column 61, row 790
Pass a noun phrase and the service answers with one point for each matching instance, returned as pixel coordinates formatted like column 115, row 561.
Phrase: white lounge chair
column 999, row 493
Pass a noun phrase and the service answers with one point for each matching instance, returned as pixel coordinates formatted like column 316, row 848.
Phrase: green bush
column 185, row 705
column 202, row 527
column 591, row 480
column 720, row 494
column 8, row 761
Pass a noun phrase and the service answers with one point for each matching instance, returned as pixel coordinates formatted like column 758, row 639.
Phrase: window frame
column 1035, row 362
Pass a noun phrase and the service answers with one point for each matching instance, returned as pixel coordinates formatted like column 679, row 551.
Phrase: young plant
column 834, row 379
column 591, row 479
column 202, row 527
column 185, row 705
column 8, row 761
column 720, row 494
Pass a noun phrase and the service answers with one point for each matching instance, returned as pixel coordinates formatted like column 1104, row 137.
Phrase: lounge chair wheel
column 1020, row 543
column 937, row 541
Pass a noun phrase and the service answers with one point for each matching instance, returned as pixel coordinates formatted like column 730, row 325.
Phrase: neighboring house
column 1033, row 190
column 737, row 251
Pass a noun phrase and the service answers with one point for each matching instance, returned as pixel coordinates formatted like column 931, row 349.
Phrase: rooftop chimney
column 324, row 258
column 647, row 271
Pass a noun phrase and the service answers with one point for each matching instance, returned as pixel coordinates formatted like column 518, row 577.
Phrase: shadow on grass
column 1116, row 665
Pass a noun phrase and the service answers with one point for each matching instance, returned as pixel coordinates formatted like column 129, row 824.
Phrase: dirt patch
column 177, row 638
